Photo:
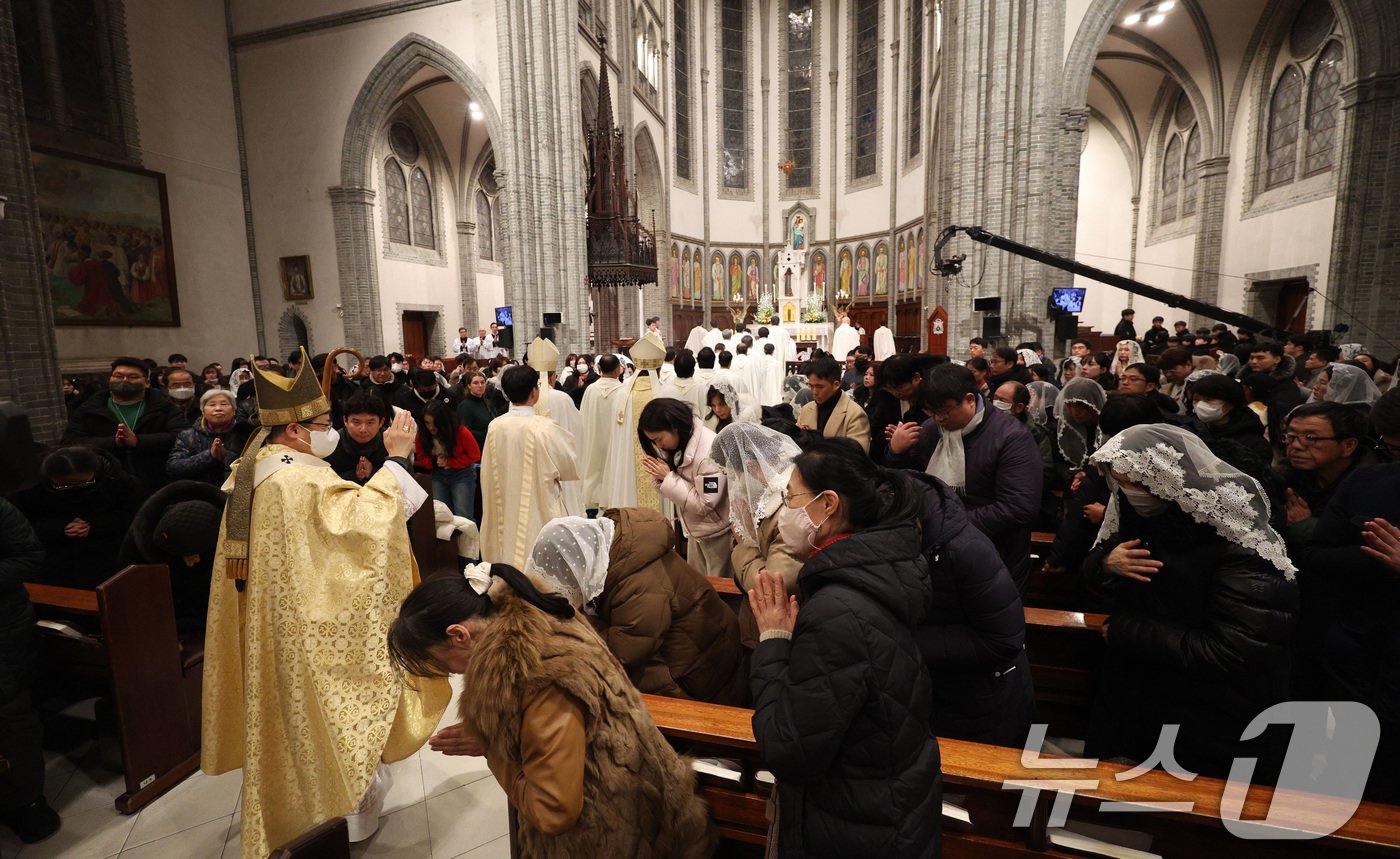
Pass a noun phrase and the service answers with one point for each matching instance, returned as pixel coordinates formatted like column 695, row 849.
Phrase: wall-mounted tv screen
column 504, row 315
column 1070, row 299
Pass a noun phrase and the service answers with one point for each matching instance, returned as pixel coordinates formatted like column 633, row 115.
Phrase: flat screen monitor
column 1070, row 299
column 505, row 317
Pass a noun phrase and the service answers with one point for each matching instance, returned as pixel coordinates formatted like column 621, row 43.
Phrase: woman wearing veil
column 1201, row 604
column 1085, row 493
column 1125, row 354
column 728, row 406
column 1044, row 396
column 757, row 463
column 657, row 614
column 1346, row 384
column 1069, row 369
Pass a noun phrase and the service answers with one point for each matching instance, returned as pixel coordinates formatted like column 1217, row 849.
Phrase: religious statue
column 799, row 233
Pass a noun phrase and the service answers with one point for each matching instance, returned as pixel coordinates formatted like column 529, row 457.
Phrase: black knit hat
column 188, row 528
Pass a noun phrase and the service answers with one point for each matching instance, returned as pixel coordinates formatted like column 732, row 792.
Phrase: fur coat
column 639, row 796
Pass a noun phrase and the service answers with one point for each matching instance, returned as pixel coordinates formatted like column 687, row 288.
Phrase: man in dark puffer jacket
column 974, row 636
column 841, row 697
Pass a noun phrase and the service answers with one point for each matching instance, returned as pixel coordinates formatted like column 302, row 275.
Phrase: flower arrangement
column 813, row 309
column 766, row 312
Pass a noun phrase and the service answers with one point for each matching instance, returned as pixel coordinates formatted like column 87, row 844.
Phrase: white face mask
column 1209, row 412
column 324, row 442
column 181, row 394
column 1144, row 502
column 1005, row 407
column 397, row 368
column 797, row 530
column 582, row 368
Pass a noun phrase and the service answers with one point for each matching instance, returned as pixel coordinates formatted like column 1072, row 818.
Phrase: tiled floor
column 440, row 807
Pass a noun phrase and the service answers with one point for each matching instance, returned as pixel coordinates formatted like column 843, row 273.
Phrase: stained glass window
column 1171, row 179
column 485, row 235
column 799, row 92
column 866, row 101
column 734, row 143
column 1323, row 104
column 422, row 197
column 1191, row 174
column 1284, row 116
column 916, row 77
column 681, row 53
column 396, row 195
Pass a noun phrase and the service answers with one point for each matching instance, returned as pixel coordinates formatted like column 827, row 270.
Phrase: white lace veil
column 1073, row 360
column 792, row 386
column 1071, row 436
column 1350, row 386
column 1028, row 357
column 1350, row 350
column 1229, row 365
column 571, row 555
column 757, row 463
column 1043, row 398
column 1134, row 356
column 1175, row 465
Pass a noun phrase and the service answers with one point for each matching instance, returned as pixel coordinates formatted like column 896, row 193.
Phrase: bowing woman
column 563, row 730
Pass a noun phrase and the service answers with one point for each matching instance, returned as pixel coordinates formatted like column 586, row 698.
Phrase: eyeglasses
column 324, row 426
column 1307, row 440
column 1127, row 378
column 65, row 487
column 944, row 413
column 127, row 377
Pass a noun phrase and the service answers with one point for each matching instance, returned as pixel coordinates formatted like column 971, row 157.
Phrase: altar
column 796, row 298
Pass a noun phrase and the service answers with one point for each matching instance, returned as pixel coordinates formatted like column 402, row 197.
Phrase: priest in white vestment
column 527, row 459
column 844, row 340
column 764, row 374
column 713, row 337
column 685, row 386
column 625, row 483
column 696, row 341
column 883, row 343
column 559, row 407
column 603, row 404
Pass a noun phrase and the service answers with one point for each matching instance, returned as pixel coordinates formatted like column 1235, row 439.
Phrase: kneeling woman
column 563, row 730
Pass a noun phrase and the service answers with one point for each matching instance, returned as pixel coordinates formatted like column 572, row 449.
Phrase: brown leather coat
column 661, row 618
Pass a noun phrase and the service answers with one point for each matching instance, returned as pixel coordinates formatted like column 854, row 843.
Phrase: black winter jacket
column 189, row 586
column 974, row 636
column 1204, row 644
column 21, row 555
column 841, row 711
column 94, row 425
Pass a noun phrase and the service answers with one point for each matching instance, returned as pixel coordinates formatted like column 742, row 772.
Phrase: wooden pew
column 329, row 840
column 434, row 557
column 1062, row 590
column 973, row 776
column 152, row 683
column 1065, row 650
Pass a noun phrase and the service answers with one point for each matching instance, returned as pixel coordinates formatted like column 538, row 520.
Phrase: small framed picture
column 296, row 278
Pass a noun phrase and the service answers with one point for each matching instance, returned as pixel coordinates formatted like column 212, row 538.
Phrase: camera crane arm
column 953, row 265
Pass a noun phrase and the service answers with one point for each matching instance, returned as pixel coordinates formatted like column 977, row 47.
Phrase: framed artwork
column 675, row 272
column 844, row 272
column 752, row 271
column 899, row 264
column 819, row 274
column 919, row 264
column 697, row 274
column 736, row 277
column 882, row 269
column 717, row 276
column 105, row 230
column 863, row 271
column 296, row 278
column 685, row 275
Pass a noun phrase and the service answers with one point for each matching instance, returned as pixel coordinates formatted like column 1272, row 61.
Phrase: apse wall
column 184, row 110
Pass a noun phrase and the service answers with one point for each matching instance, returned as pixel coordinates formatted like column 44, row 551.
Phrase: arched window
column 865, row 101
column 1191, row 174
column 1171, row 179
column 800, row 92
column 408, row 190
column 681, row 110
column 485, row 235
column 734, row 134
column 1323, row 104
column 1284, row 115
column 916, row 77
column 396, row 195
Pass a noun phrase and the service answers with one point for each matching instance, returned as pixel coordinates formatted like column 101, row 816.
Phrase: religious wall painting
column 736, row 277
column 105, row 231
column 685, row 275
column 819, row 274
column 675, row 272
column 882, row 269
column 863, row 272
column 773, row 284
column 844, row 274
column 919, row 265
column 909, row 264
column 717, row 276
column 799, row 232
column 697, row 275
column 295, row 273
column 751, row 272
column 899, row 253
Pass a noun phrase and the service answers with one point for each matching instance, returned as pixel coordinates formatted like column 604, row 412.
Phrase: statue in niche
column 753, row 278
column 675, row 274
column 717, row 277
column 799, row 233
column 844, row 276
column 685, row 275
column 819, row 273
column 697, row 273
column 882, row 269
column 736, row 278
column 863, row 271
column 787, row 285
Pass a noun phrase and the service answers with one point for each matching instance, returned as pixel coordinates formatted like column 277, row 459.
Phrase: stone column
column 1001, row 141
column 1366, row 232
column 1210, row 230
column 537, row 46
column 466, row 272
column 29, row 372
column 352, row 210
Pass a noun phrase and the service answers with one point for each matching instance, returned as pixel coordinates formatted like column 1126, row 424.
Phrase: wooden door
column 1291, row 313
column 415, row 334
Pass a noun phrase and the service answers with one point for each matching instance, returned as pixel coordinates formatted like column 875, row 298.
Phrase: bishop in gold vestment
column 298, row 688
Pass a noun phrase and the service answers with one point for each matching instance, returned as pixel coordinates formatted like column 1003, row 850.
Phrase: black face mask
column 126, row 389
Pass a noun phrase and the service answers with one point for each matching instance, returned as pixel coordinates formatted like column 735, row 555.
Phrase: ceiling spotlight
column 1167, row 6
column 473, row 107
column 1132, row 19
column 1156, row 19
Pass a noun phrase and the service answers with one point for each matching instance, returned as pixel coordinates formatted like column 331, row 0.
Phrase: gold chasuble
column 648, row 353
column 298, row 688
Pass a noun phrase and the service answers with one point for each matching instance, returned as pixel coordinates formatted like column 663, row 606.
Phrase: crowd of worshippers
column 1228, row 503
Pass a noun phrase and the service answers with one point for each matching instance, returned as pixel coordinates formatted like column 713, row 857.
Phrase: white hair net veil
column 757, row 463
column 1350, row 350
column 1072, row 361
column 1229, row 364
column 1350, row 386
column 1175, row 465
column 1028, row 357
column 1043, row 398
column 1072, row 437
column 741, row 407
column 571, row 555
column 1134, row 356
column 792, row 386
